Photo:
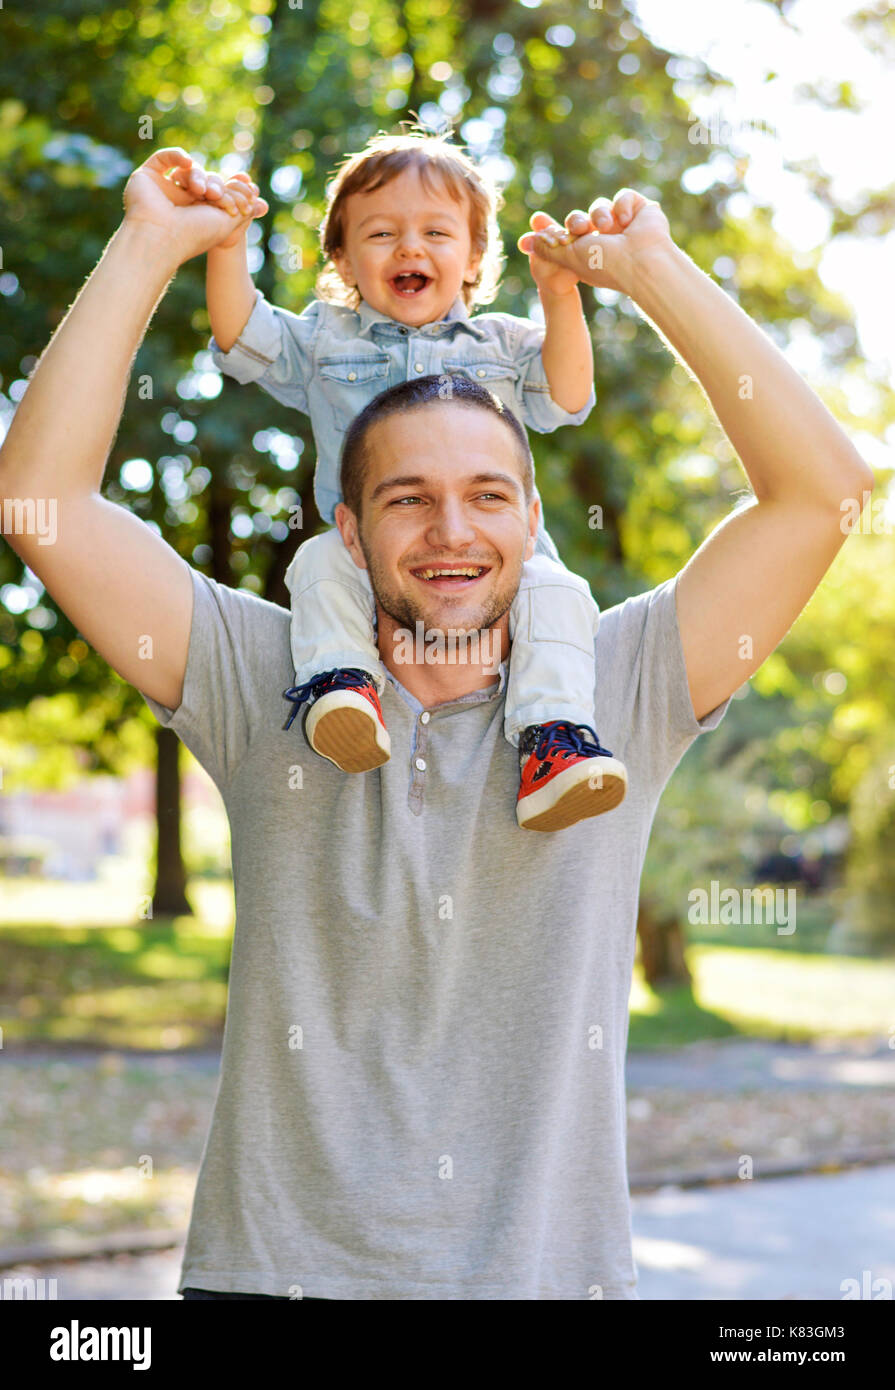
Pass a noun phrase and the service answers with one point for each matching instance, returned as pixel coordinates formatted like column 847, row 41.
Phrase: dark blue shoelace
column 560, row 737
column 345, row 679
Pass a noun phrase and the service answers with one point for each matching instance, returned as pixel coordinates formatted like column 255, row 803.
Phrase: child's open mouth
column 450, row 576
column 409, row 283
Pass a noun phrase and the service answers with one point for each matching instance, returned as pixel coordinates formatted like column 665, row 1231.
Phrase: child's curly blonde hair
column 381, row 160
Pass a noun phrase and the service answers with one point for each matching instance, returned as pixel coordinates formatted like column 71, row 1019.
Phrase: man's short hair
column 412, row 395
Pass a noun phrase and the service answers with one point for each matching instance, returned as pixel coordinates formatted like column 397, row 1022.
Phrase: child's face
column 401, row 229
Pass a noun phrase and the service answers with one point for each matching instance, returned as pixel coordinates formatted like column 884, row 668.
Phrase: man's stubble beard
column 406, row 612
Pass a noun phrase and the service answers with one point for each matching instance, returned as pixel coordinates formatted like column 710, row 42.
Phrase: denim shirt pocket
column 348, row 382
column 496, row 374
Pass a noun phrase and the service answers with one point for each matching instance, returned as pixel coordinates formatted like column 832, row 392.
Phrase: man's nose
column 450, row 527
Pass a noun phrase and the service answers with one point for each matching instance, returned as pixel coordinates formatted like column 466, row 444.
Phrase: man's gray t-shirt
column 422, row 1079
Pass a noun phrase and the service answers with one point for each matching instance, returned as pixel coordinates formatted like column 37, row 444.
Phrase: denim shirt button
column 480, row 371
column 417, row 366
column 352, row 376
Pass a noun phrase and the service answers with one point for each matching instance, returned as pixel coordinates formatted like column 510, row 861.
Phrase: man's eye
column 398, row 500
column 376, row 234
column 491, row 496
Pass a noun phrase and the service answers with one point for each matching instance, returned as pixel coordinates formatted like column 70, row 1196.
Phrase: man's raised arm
column 740, row 593
column 121, row 585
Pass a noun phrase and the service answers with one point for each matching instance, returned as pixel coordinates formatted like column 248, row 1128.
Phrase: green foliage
column 566, row 102
column 713, row 821
column 867, row 922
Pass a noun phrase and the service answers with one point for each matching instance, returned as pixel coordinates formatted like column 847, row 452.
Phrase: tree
column 562, row 101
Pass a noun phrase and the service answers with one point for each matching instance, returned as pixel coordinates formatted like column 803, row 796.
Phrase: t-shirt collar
column 475, row 697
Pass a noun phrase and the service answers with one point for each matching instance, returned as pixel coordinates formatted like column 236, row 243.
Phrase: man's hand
column 607, row 246
column 190, row 225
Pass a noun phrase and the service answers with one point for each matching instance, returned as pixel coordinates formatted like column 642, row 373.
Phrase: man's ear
column 534, row 513
column 348, row 530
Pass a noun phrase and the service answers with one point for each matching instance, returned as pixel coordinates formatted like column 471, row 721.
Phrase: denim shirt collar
column 456, row 317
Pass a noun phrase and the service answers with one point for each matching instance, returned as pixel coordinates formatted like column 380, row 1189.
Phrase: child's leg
column 334, row 653
column 565, row 774
column 553, row 623
column 333, row 611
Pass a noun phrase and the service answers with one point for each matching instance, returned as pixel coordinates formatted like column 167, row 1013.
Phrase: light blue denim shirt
column 330, row 361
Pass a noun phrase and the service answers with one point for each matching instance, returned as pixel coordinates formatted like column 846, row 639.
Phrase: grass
column 115, row 981
column 783, row 994
column 162, row 985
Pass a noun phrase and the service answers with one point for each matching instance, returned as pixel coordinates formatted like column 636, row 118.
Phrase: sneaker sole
column 570, row 797
column 350, row 735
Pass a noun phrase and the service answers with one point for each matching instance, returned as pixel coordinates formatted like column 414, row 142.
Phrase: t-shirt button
column 425, row 717
column 417, row 366
column 421, row 764
column 352, row 376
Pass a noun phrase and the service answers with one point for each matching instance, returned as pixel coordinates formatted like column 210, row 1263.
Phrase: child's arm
column 229, row 288
column 252, row 340
column 567, row 351
column 229, row 291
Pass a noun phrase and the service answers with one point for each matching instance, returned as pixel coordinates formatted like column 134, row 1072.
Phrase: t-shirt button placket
column 420, row 764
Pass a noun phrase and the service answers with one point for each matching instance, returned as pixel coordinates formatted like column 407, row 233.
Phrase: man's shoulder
column 626, row 620
column 239, row 612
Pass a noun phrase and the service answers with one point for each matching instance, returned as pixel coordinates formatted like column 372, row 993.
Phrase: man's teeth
column 470, row 572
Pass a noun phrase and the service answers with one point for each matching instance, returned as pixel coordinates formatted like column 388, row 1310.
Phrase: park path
column 739, row 1064
column 787, row 1238
column 733, row 1064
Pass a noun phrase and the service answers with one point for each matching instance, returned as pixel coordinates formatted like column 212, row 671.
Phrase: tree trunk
column 219, row 531
column 169, row 898
column 661, row 950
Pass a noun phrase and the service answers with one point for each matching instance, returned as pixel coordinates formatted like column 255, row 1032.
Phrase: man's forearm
column 229, row 292
column 567, row 352
column 63, row 429
column 789, row 444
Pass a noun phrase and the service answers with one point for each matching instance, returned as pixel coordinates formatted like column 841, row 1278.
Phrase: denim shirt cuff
column 546, row 415
column 257, row 347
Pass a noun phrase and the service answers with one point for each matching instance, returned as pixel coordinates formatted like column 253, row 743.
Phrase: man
column 422, row 1080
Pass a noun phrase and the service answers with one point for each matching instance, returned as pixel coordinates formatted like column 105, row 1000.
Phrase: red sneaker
column 345, row 723
column 566, row 778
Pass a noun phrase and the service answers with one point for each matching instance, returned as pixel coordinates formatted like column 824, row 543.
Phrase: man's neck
column 437, row 671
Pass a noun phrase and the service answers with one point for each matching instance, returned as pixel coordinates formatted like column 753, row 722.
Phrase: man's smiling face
column 445, row 527
column 408, row 250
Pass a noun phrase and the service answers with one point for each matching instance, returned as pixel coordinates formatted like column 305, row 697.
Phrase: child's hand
column 608, row 245
column 549, row 277
column 237, row 196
